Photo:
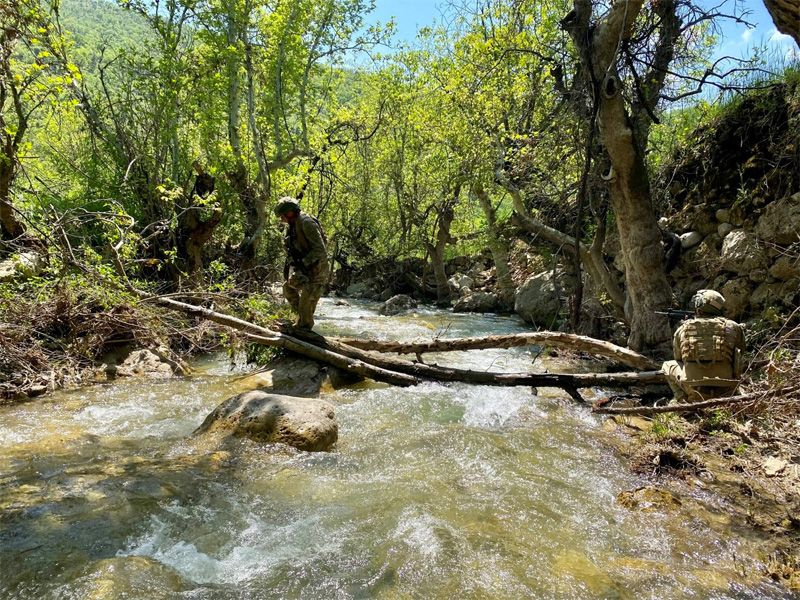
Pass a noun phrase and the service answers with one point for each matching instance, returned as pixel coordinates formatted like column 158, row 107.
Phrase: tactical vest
column 709, row 340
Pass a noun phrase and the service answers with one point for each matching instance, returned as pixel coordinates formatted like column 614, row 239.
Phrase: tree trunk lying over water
column 552, row 339
column 400, row 372
column 565, row 381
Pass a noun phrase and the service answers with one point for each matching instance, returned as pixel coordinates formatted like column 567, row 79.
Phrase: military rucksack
column 708, row 340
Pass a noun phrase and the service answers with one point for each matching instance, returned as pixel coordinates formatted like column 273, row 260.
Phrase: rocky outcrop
column 741, row 253
column 478, row 302
column 538, row 300
column 780, row 221
column 397, row 304
column 304, row 423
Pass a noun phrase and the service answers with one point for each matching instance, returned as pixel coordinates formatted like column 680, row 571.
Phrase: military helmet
column 708, row 302
column 286, row 205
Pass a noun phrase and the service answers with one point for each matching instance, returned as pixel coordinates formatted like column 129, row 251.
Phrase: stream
column 433, row 491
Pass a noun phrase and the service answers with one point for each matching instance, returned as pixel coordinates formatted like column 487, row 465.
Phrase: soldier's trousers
column 303, row 299
column 695, row 389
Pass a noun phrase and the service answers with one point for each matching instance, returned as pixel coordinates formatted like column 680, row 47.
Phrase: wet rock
column 785, row 268
column 648, row 498
column 397, row 304
column 691, row 239
column 741, row 253
column 479, row 302
column 780, row 221
column 21, row 266
column 538, row 301
column 129, row 577
column 294, row 375
column 304, row 423
column 737, row 296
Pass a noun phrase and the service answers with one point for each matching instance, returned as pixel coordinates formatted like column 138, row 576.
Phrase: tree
column 29, row 79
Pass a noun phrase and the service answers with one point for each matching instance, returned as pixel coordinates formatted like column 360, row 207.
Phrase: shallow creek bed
column 431, row 491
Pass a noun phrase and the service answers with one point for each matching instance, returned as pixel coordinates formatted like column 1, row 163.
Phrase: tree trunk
column 552, row 339
column 646, row 283
column 506, row 289
column 10, row 227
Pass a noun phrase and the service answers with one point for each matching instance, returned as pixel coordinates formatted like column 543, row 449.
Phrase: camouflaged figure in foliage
column 707, row 350
column 305, row 272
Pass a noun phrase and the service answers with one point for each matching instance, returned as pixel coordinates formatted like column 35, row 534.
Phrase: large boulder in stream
column 295, row 375
column 538, row 300
column 477, row 302
column 304, row 423
column 397, row 304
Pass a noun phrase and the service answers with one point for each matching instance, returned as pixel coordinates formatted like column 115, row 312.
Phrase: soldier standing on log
column 305, row 272
column 707, row 350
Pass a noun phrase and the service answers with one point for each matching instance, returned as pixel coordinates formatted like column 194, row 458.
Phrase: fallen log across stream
column 396, row 371
column 566, row 381
column 553, row 339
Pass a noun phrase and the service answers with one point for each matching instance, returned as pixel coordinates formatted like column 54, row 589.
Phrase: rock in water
column 538, row 300
column 305, row 423
column 479, row 302
column 397, row 304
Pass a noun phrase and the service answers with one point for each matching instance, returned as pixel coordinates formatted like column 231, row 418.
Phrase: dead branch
column 680, row 408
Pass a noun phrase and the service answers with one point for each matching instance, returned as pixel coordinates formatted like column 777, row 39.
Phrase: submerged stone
column 647, row 498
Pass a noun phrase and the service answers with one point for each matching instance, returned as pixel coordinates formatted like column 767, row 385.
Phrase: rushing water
column 431, row 492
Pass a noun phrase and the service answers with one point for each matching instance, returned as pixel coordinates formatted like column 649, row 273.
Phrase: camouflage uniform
column 707, row 352
column 306, row 271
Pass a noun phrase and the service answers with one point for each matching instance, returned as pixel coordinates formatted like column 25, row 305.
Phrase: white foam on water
column 255, row 551
column 418, row 532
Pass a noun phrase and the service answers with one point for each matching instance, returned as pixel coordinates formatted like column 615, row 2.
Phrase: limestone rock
column 304, row 423
column 758, row 275
column 142, row 363
column 294, row 375
column 397, row 304
column 790, row 292
column 538, row 301
column 785, row 268
column 724, row 229
column 773, row 466
column 766, row 295
column 723, row 215
column 703, row 259
column 21, row 266
column 737, row 297
column 691, row 239
column 741, row 253
column 780, row 221
column 479, row 302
